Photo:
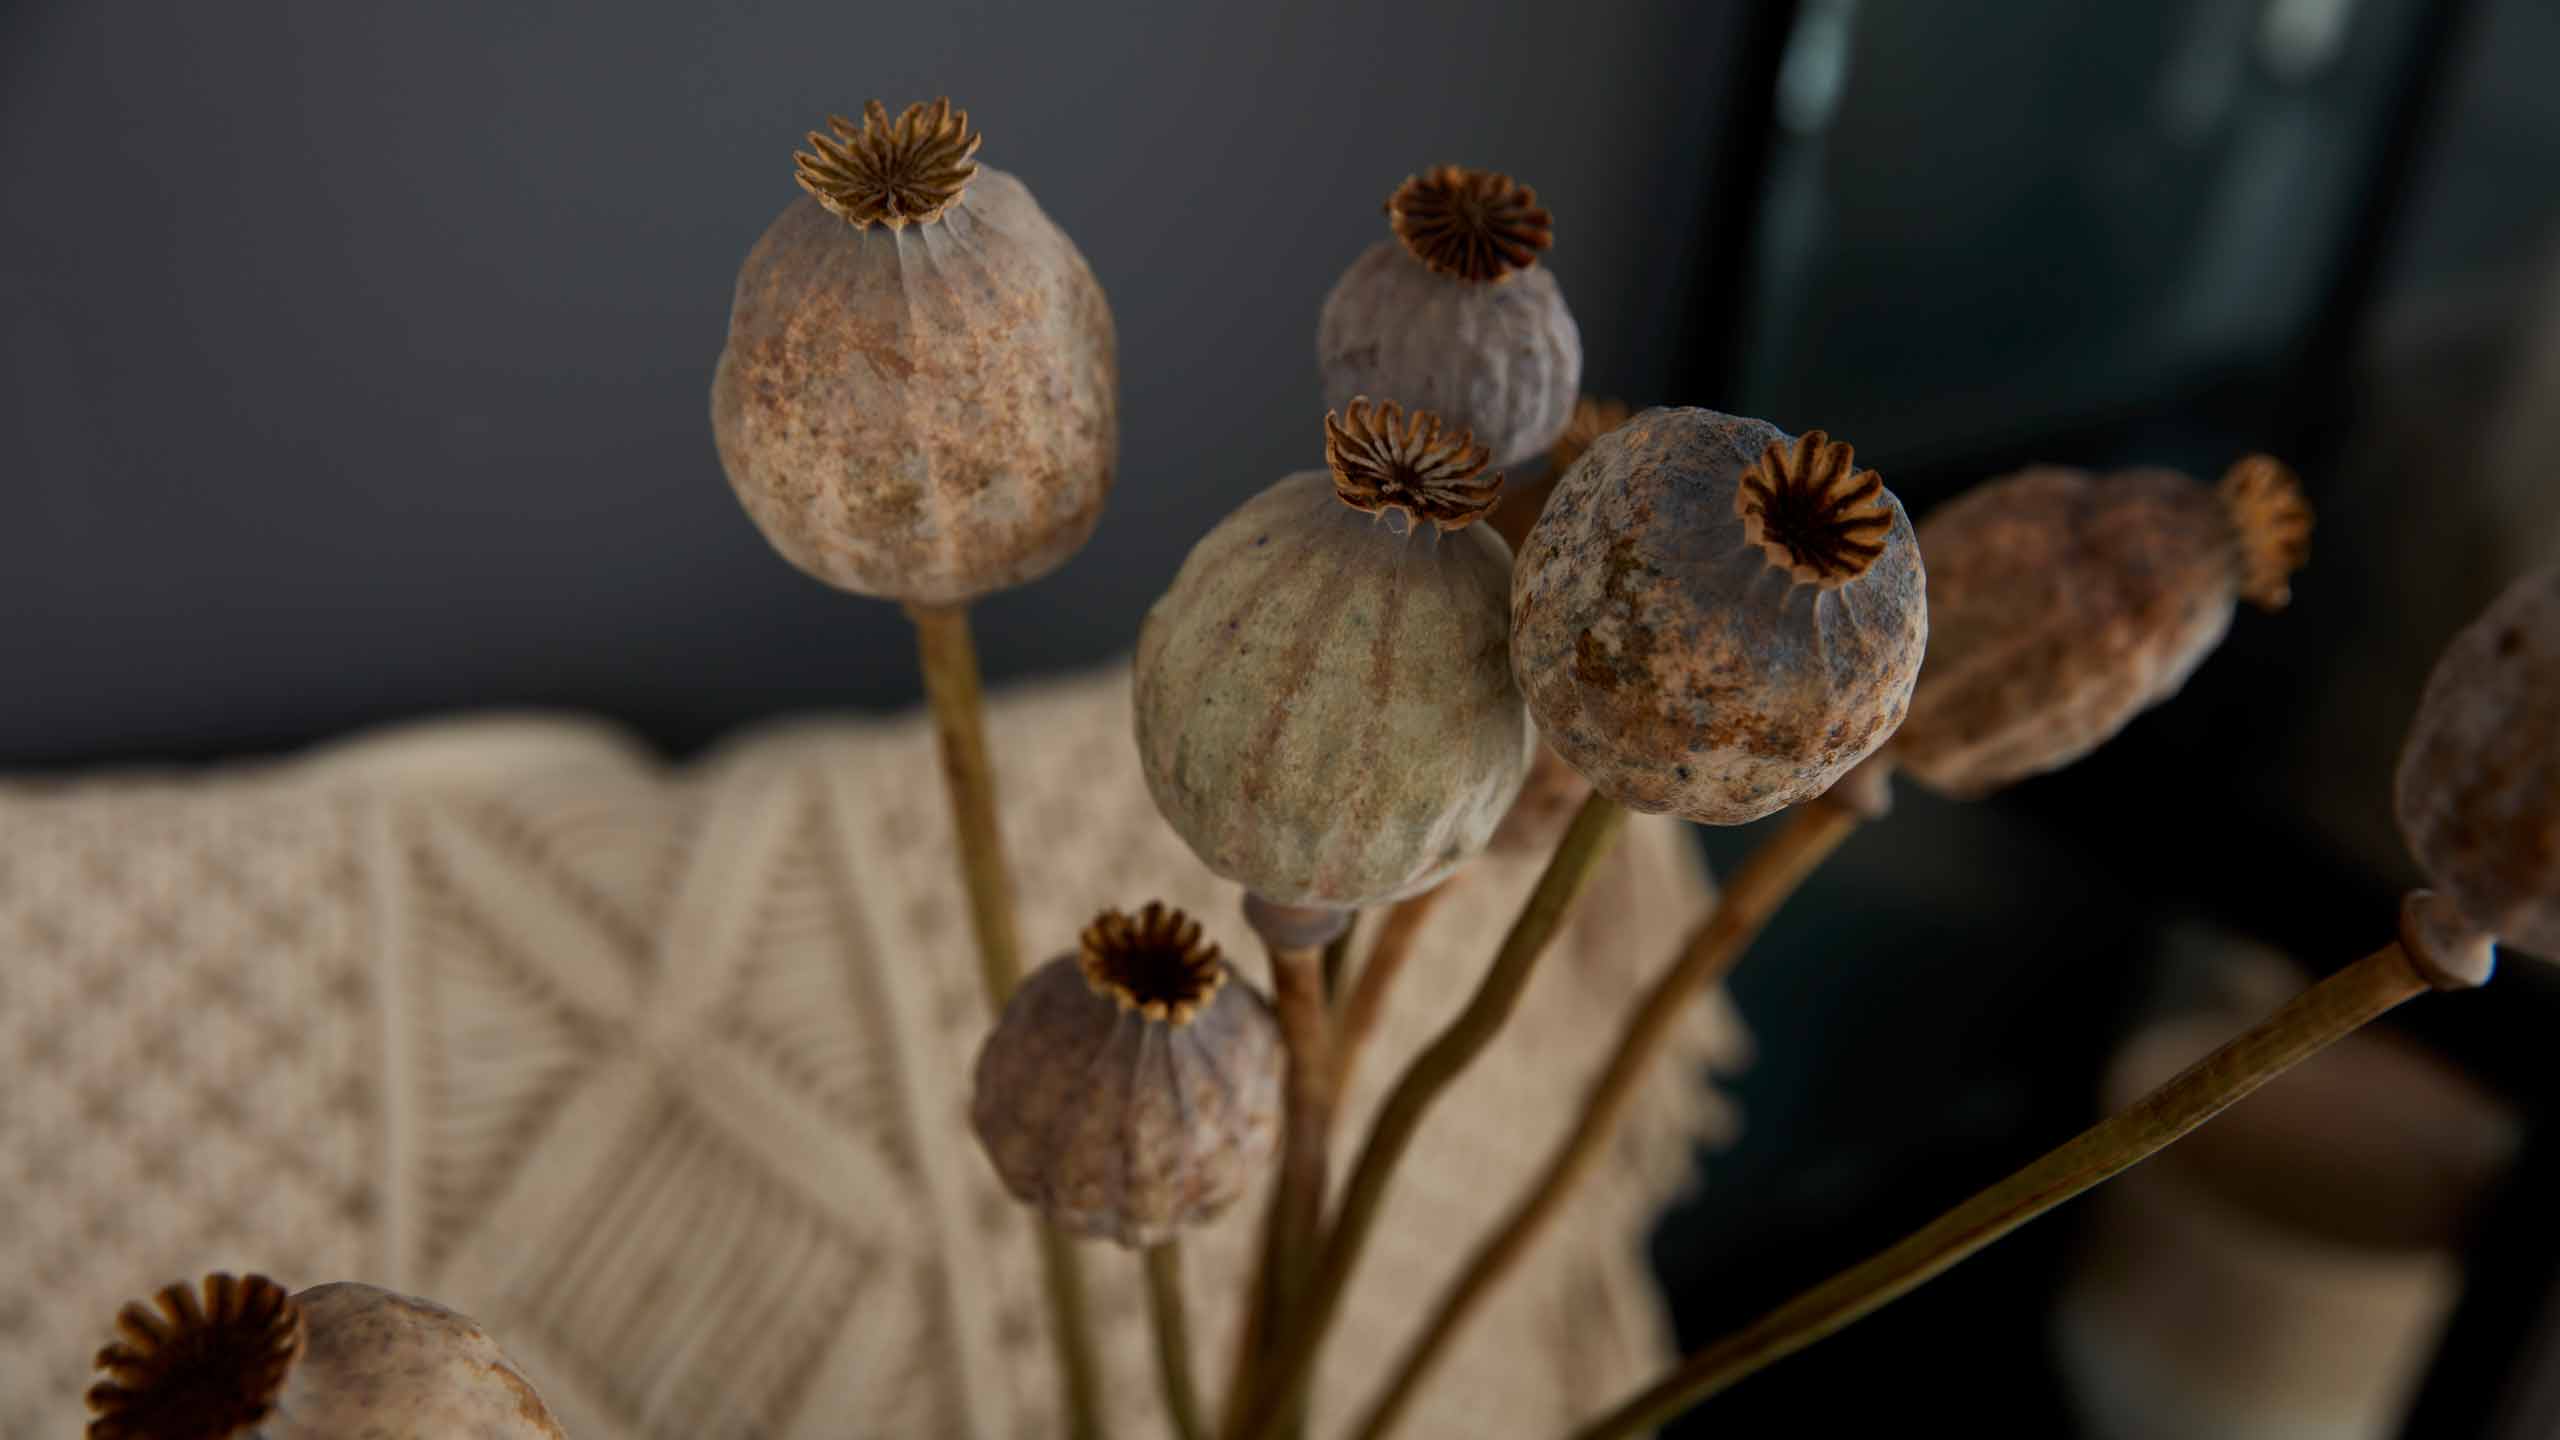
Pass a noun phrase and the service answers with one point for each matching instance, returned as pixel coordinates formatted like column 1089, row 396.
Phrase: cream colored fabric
column 662, row 1074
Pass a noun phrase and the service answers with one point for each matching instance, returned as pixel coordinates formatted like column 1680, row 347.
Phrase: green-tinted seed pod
column 1325, row 708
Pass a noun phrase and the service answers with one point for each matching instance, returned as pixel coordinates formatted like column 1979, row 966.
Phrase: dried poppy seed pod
column 2061, row 605
column 2479, row 784
column 1715, row 621
column 917, row 399
column 1521, row 503
column 242, row 1359
column 1325, row 709
column 1554, row 789
column 1132, row 1088
column 1453, row 314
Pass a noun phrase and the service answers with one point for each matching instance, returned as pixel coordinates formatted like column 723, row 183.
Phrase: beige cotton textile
column 662, row 1074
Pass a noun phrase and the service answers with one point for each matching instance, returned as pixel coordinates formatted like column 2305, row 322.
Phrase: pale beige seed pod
column 1325, row 709
column 1132, row 1089
column 918, row 399
column 2062, row 604
column 2479, row 783
column 1715, row 620
column 238, row 1359
column 1453, row 314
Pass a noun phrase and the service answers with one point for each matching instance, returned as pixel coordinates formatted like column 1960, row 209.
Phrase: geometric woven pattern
column 663, row 1076
column 188, row 1059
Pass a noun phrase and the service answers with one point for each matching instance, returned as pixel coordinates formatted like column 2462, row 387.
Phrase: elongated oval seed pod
column 1454, row 315
column 2479, row 784
column 2062, row 604
column 1714, row 620
column 1131, row 1089
column 918, row 397
column 238, row 1359
column 1325, row 708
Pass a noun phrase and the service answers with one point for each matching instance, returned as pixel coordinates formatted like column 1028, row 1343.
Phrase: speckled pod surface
column 1325, row 707
column 1503, row 360
column 2479, row 784
column 926, row 413
column 379, row 1365
column 1671, row 662
column 2061, row 605
column 1121, row 1127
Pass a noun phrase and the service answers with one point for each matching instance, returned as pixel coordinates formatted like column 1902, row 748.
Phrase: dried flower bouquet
column 1353, row 687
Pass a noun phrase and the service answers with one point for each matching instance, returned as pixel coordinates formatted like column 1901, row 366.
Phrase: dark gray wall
column 356, row 356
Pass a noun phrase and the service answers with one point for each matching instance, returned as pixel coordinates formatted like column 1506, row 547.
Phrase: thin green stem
column 1356, row 1014
column 1287, row 1378
column 1297, row 1205
column 1173, row 1341
column 1751, row 895
column 2313, row 1020
column 949, row 662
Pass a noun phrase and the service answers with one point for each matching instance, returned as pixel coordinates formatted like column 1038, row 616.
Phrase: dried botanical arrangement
column 1371, row 673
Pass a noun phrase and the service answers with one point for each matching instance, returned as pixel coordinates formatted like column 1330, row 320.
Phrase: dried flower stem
column 1337, row 958
column 1358, row 1012
column 1297, row 1202
column 949, row 660
column 1079, row 1374
column 1585, row 844
column 1172, row 1323
column 1750, row 896
column 951, row 686
column 2313, row 1020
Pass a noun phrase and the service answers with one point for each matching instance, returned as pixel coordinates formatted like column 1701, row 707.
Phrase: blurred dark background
column 357, row 362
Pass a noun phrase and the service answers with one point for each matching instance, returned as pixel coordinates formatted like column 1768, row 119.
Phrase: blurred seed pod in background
column 238, row 1357
column 2479, row 783
column 2062, row 604
column 1454, row 314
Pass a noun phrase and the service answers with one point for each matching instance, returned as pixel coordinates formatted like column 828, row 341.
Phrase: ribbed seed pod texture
column 1325, row 707
column 927, row 412
column 1502, row 359
column 1120, row 1126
